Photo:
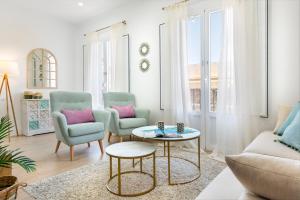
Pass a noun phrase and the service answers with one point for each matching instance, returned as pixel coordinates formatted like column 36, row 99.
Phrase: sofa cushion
column 282, row 115
column 132, row 122
column 265, row 144
column 76, row 130
column 267, row 176
column 250, row 196
column 289, row 119
column 291, row 135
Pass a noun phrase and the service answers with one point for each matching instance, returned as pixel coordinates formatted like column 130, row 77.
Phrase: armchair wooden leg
column 109, row 136
column 101, row 146
column 89, row 145
column 57, row 146
column 71, row 152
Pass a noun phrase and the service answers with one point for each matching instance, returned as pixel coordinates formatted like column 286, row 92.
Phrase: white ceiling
column 69, row 10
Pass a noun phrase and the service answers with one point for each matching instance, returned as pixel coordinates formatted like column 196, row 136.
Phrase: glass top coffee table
column 150, row 132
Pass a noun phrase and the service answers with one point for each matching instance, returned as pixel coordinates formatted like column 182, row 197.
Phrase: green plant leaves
column 8, row 157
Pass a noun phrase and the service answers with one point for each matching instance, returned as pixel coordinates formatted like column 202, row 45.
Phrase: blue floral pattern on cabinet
column 44, row 104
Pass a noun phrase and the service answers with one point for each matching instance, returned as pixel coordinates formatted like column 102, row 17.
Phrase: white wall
column 23, row 30
column 284, row 53
column 143, row 19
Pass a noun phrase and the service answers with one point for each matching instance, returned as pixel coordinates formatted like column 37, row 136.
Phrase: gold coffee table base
column 188, row 181
column 167, row 154
column 182, row 182
column 130, row 195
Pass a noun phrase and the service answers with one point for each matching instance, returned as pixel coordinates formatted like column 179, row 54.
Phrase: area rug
column 88, row 182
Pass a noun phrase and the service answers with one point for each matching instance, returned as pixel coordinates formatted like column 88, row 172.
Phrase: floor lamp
column 8, row 69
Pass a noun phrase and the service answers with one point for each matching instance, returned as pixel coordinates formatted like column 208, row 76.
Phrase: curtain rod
column 180, row 2
column 101, row 29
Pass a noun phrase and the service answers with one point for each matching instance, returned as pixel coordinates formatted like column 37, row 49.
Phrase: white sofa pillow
column 267, row 176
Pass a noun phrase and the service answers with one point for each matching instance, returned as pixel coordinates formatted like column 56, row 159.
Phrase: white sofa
column 226, row 187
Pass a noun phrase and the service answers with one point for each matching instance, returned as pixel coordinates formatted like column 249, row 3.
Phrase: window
column 194, row 60
column 215, row 47
column 204, row 43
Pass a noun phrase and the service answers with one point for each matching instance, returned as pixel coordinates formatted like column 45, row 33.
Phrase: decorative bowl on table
column 28, row 94
column 37, row 95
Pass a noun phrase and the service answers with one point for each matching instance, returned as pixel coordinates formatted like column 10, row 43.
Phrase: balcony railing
column 196, row 99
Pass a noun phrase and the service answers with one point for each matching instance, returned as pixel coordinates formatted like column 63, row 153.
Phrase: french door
column 204, row 41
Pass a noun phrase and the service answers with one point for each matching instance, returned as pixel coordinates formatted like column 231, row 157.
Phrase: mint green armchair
column 77, row 133
column 124, row 127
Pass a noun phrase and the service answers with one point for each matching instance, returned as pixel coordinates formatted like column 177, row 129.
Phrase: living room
column 169, row 99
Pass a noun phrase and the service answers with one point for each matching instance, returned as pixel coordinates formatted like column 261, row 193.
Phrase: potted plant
column 9, row 184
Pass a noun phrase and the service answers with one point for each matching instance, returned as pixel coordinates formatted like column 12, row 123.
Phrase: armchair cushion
column 76, row 130
column 125, row 111
column 132, row 122
column 78, row 116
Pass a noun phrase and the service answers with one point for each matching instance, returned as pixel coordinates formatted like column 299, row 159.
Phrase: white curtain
column 93, row 69
column 118, row 72
column 238, row 103
column 105, row 51
column 177, row 102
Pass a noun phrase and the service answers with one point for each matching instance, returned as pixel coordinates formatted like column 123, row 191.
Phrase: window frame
column 205, row 70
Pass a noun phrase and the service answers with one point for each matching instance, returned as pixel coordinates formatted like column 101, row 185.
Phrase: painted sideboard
column 36, row 117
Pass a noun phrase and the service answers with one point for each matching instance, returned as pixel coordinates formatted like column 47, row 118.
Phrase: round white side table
column 130, row 150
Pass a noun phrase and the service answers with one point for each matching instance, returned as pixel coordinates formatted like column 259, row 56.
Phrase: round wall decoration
column 144, row 65
column 144, row 49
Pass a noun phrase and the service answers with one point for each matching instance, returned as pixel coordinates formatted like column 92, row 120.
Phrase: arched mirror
column 41, row 69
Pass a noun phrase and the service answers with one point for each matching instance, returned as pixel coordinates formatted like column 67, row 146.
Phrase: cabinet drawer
column 44, row 104
column 34, row 125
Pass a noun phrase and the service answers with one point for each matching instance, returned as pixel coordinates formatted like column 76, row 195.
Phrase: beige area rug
column 88, row 182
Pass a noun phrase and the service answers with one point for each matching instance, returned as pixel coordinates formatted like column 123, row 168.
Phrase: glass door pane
column 215, row 47
column 194, row 37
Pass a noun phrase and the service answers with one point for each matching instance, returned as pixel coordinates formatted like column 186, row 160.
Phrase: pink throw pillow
column 79, row 116
column 125, row 111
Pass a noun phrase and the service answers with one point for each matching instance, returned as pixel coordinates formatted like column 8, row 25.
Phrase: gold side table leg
column 119, row 176
column 141, row 164
column 154, row 171
column 110, row 166
column 169, row 163
column 133, row 163
column 199, row 152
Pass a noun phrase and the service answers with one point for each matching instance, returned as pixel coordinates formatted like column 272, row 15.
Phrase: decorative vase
column 161, row 125
column 180, row 127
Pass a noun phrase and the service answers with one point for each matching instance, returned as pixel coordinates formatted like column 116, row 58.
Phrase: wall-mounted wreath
column 144, row 65
column 144, row 49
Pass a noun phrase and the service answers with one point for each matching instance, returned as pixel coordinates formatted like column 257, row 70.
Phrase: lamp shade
column 9, row 68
